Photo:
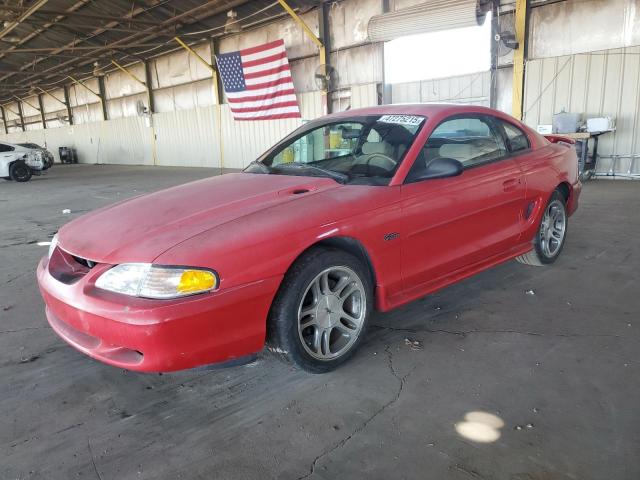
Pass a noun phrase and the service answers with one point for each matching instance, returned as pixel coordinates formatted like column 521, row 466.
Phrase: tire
column 318, row 328
column 19, row 171
column 551, row 234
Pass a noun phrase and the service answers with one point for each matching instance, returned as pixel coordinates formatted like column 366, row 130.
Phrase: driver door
column 454, row 223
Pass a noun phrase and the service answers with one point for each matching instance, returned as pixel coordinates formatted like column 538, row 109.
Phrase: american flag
column 257, row 82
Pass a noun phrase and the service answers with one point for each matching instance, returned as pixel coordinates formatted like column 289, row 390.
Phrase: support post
column 521, row 20
column 149, row 84
column 386, row 87
column 4, row 120
column 103, row 97
column 217, row 88
column 44, row 120
column 67, row 104
column 325, row 49
column 21, row 115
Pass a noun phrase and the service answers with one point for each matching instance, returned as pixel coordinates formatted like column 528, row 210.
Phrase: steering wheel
column 378, row 161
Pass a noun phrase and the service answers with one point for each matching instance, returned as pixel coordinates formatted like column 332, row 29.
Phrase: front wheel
column 551, row 234
column 320, row 314
column 20, row 171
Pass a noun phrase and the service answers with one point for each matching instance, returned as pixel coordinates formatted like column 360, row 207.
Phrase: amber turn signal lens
column 196, row 281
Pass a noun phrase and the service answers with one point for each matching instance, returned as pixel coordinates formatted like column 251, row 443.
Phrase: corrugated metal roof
column 43, row 41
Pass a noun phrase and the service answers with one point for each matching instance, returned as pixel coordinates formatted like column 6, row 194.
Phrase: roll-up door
column 426, row 17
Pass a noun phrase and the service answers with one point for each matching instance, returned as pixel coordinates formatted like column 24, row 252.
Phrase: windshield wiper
column 261, row 166
column 337, row 176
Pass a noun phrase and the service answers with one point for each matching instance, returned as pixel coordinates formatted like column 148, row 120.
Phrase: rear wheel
column 551, row 234
column 20, row 171
column 320, row 314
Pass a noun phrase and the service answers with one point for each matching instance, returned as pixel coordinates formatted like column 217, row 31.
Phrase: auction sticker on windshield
column 402, row 119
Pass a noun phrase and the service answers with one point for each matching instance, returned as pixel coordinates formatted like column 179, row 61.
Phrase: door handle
column 510, row 185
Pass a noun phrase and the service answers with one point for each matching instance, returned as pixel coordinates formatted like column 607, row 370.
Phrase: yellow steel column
column 518, row 58
column 312, row 36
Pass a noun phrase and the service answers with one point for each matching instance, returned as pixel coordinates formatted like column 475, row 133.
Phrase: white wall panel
column 119, row 84
column 472, row 89
column 79, row 95
column 89, row 112
column 295, row 40
column 594, row 84
column 364, row 95
column 180, row 67
column 577, row 26
column 52, row 105
column 188, row 137
column 348, row 21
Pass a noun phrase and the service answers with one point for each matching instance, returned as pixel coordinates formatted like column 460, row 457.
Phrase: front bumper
column 157, row 335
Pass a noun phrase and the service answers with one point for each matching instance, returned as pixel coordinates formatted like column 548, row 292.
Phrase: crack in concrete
column 22, row 329
column 93, row 461
column 463, row 333
column 344, row 441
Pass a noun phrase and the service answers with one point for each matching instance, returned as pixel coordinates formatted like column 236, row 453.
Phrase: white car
column 20, row 163
column 48, row 156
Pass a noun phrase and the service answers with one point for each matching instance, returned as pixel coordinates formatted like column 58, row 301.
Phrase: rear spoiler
column 560, row 139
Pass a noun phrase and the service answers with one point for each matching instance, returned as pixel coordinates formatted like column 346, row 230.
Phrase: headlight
column 53, row 244
column 154, row 281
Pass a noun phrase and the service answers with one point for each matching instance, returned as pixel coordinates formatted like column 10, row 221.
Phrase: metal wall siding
column 472, row 89
column 187, row 138
column 594, row 84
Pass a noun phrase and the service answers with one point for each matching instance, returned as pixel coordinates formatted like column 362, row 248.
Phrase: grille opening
column 84, row 261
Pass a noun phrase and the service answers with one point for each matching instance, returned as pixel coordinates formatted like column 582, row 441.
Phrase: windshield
column 364, row 150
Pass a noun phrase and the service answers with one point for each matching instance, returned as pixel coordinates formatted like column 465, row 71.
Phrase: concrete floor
column 558, row 368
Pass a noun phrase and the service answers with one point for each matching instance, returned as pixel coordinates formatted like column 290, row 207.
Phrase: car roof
column 426, row 109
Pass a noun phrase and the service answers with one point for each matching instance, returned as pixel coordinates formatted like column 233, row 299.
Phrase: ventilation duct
column 428, row 17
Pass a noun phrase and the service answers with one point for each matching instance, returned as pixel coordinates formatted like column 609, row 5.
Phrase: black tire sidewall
column 283, row 331
column 556, row 195
column 19, row 167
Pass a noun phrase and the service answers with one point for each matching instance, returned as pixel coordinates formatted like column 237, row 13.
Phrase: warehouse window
column 440, row 54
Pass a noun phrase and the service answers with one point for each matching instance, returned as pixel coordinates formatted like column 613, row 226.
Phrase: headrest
column 377, row 147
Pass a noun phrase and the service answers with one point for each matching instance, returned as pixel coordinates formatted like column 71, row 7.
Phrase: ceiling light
column 97, row 71
column 232, row 25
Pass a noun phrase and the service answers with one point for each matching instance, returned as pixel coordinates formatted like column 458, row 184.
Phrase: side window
column 6, row 148
column 470, row 140
column 517, row 139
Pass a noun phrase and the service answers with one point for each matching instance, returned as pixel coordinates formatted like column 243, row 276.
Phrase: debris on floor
column 66, row 211
column 530, row 292
column 413, row 344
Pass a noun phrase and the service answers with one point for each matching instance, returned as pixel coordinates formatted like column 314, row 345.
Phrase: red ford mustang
column 363, row 209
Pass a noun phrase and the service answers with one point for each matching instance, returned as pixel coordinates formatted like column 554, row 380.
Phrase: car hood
column 142, row 228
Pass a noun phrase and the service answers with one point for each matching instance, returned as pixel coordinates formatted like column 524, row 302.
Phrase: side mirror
column 439, row 168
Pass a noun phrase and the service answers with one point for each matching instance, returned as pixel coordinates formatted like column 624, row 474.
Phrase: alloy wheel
column 332, row 313
column 553, row 228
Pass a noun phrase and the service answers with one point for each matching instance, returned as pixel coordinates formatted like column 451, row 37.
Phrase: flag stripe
column 265, row 66
column 264, row 103
column 270, row 58
column 272, row 83
column 275, row 111
column 262, row 108
column 262, row 48
column 278, row 116
column 233, row 96
column 257, row 98
column 269, row 72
